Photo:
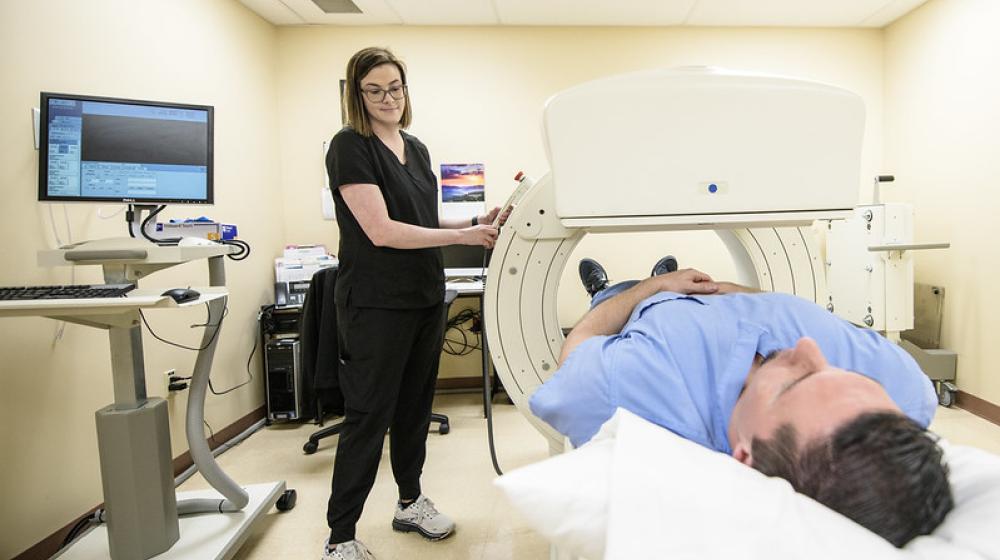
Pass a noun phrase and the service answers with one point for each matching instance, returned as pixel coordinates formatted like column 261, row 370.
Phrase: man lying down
column 771, row 379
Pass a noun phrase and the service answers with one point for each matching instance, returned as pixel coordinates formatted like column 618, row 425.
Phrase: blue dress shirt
column 680, row 362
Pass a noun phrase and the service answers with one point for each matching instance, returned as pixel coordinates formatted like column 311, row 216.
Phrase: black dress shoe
column 593, row 276
column 664, row 265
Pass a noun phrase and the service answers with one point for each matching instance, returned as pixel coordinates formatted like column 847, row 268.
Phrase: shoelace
column 425, row 508
column 359, row 550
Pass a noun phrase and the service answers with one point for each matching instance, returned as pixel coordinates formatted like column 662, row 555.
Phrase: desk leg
column 133, row 437
column 195, row 417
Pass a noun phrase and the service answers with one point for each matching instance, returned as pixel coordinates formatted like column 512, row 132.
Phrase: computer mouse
column 181, row 295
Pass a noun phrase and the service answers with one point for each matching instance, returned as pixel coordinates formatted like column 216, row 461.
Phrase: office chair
column 312, row 445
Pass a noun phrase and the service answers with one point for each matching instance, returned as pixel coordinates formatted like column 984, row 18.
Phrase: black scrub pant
column 388, row 368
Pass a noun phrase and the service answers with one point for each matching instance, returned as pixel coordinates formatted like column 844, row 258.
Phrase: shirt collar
column 734, row 375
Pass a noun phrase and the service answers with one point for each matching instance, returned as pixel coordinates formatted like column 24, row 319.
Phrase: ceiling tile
column 373, row 12
column 784, row 13
column 593, row 12
column 742, row 13
column 445, row 12
column 273, row 11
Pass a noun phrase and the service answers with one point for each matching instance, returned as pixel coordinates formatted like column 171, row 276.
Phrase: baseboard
column 51, row 544
column 48, row 546
column 980, row 407
column 453, row 383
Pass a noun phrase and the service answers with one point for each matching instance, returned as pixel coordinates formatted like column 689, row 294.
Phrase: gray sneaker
column 350, row 550
column 421, row 516
column 664, row 265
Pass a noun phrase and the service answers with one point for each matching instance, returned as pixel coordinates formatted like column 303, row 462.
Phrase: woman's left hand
column 490, row 216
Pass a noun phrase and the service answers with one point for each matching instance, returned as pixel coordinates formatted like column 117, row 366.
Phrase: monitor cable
column 253, row 351
column 243, row 246
column 145, row 222
column 95, row 517
column 207, row 323
column 464, row 346
column 130, row 215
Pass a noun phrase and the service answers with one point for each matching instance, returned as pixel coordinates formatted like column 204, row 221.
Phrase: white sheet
column 638, row 491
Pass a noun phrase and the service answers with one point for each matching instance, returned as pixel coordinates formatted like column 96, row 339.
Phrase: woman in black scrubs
column 390, row 298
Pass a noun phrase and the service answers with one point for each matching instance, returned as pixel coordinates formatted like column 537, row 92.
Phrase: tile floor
column 964, row 428
column 457, row 476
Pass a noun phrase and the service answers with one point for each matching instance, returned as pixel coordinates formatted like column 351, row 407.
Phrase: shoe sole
column 668, row 269
column 404, row 527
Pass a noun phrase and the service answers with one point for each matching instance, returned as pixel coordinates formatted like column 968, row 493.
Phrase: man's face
column 797, row 386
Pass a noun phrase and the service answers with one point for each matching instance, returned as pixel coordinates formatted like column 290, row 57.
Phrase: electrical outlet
column 166, row 381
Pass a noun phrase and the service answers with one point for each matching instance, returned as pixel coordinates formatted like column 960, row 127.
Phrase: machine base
column 203, row 536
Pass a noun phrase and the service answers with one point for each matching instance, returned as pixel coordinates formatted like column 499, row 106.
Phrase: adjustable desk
column 476, row 288
column 133, row 432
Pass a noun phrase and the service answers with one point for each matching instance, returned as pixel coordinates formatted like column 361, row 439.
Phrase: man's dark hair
column 881, row 470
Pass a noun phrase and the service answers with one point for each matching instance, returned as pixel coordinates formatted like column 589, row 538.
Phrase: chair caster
column 286, row 501
column 444, row 428
column 310, row 447
column 946, row 393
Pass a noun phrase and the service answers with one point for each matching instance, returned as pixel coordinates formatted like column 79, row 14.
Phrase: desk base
column 204, row 536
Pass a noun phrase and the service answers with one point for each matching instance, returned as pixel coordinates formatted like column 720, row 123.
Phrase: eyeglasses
column 377, row 95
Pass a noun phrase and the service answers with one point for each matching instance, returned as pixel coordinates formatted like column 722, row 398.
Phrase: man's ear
column 741, row 452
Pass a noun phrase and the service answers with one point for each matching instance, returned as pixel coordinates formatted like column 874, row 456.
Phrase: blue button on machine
column 713, row 188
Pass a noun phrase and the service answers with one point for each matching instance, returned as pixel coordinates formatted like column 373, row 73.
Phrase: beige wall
column 942, row 140
column 478, row 94
column 212, row 52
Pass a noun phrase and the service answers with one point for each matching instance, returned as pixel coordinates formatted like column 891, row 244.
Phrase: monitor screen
column 98, row 149
column 463, row 256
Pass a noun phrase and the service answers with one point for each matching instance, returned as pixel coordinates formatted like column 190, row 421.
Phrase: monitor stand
column 135, row 228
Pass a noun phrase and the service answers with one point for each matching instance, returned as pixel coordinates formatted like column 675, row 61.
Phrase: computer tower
column 285, row 390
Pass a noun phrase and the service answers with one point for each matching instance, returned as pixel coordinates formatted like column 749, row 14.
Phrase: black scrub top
column 384, row 277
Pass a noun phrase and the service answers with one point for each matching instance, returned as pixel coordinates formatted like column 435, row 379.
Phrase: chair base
column 312, row 445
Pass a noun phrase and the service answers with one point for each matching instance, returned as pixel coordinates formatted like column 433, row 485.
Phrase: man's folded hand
column 687, row 281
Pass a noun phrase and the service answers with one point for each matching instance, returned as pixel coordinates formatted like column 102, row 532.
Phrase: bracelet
column 475, row 221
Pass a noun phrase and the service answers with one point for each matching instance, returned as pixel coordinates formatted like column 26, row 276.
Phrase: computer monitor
column 464, row 260
column 100, row 149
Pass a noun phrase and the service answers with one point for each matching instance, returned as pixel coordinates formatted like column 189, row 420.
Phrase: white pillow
column 565, row 498
column 973, row 527
column 639, row 491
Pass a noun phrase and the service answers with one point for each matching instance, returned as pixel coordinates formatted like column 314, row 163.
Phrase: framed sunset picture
column 463, row 182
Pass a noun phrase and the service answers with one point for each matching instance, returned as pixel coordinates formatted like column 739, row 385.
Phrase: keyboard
column 75, row 291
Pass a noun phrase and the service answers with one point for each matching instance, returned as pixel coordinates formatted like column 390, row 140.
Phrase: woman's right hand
column 484, row 235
